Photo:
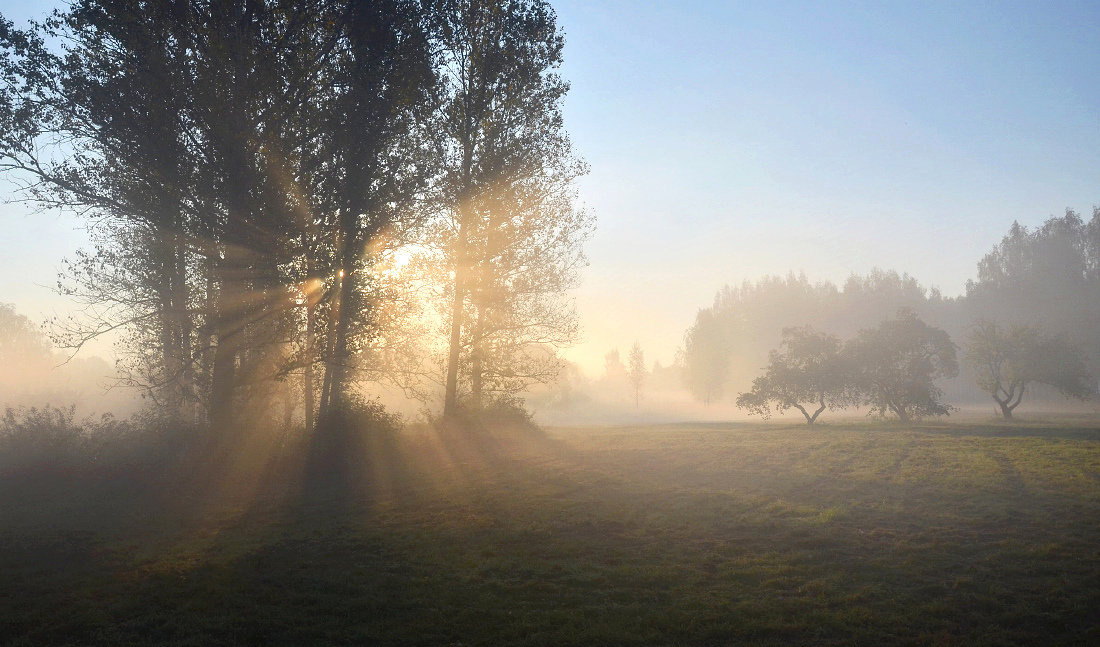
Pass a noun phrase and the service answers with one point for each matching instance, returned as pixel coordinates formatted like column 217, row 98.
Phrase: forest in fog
column 1043, row 282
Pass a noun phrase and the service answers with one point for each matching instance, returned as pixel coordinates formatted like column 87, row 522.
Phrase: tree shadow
column 1010, row 430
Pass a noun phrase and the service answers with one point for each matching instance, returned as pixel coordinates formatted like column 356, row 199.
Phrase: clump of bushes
column 502, row 417
column 346, row 443
column 51, row 443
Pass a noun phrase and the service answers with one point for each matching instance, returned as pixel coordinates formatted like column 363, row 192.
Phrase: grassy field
column 963, row 534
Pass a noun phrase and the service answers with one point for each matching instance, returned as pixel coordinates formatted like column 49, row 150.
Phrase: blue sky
column 731, row 140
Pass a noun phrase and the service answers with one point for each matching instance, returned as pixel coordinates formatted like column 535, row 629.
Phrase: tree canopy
column 1008, row 359
column 249, row 169
column 895, row 365
column 805, row 373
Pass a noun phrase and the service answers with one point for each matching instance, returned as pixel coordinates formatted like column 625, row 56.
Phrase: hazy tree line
column 32, row 373
column 1029, row 318
column 290, row 199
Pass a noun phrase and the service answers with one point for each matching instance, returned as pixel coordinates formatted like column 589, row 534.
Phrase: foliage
column 706, row 356
column 807, row 368
column 21, row 342
column 1046, row 278
column 48, row 442
column 1007, row 360
column 732, row 338
column 249, row 169
column 894, row 367
column 507, row 247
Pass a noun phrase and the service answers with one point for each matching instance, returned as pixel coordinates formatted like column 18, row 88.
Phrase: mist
column 529, row 322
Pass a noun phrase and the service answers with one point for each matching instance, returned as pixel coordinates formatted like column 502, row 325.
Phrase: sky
column 729, row 140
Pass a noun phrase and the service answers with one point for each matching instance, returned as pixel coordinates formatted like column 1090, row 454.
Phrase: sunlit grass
column 746, row 534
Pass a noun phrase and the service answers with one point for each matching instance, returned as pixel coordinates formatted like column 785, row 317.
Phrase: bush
column 49, row 441
column 505, row 416
column 345, row 443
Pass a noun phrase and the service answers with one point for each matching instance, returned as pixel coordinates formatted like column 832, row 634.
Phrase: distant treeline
column 1046, row 279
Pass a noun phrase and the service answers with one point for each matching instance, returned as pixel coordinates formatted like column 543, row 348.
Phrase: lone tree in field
column 637, row 371
column 1006, row 361
column 894, row 367
column 806, row 371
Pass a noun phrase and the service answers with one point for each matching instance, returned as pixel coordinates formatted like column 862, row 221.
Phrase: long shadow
column 362, row 555
column 1008, row 430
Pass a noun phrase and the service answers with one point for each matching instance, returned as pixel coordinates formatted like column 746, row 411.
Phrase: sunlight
column 378, row 377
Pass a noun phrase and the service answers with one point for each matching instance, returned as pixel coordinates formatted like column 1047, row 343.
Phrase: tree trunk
column 454, row 354
column 223, row 376
column 812, row 419
column 476, row 366
column 1012, row 399
column 227, row 332
column 341, row 356
column 307, row 376
column 330, row 347
column 186, row 329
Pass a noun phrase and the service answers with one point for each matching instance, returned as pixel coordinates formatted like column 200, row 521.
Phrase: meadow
column 963, row 533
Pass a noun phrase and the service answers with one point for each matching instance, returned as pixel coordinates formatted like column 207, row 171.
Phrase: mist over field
column 486, row 322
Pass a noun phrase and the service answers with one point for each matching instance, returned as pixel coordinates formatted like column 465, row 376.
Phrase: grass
column 965, row 534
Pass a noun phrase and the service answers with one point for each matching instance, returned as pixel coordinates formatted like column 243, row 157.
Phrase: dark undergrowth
column 739, row 534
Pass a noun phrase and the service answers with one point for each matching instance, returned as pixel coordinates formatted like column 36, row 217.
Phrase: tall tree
column 510, row 236
column 244, row 160
column 1048, row 278
column 376, row 137
column 706, row 356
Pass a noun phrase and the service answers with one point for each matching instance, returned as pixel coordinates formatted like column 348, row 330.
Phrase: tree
column 22, row 344
column 1047, row 277
column 375, row 137
column 805, row 371
column 244, row 164
column 510, row 235
column 894, row 367
column 1007, row 360
column 706, row 356
column 637, row 371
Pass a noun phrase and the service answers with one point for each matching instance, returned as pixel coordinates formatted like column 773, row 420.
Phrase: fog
column 485, row 322
column 600, row 255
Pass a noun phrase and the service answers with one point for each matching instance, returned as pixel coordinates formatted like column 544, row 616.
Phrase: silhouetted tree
column 1006, row 361
column 637, row 371
column 510, row 237
column 374, row 136
column 732, row 338
column 806, row 371
column 894, row 367
column 243, row 163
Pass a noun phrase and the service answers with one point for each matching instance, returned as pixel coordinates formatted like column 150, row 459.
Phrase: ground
column 846, row 534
